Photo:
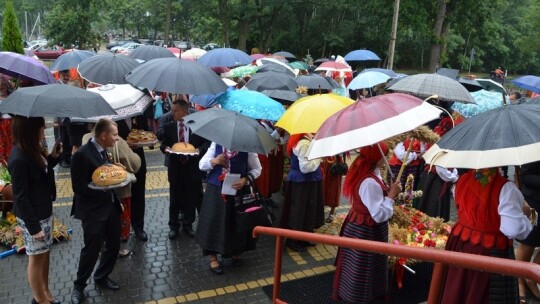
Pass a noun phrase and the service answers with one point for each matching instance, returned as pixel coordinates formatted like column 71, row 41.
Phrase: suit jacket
column 34, row 189
column 176, row 165
column 164, row 120
column 89, row 204
column 530, row 183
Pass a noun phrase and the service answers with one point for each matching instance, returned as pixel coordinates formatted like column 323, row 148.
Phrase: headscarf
column 362, row 165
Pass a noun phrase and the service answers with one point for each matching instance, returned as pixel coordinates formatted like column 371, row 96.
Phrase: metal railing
column 440, row 258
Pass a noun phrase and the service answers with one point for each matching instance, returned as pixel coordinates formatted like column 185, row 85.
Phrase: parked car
column 121, row 42
column 45, row 53
column 183, row 45
column 210, row 46
column 126, row 49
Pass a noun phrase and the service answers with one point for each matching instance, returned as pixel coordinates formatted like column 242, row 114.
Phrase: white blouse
column 254, row 164
column 380, row 207
column 447, row 175
column 300, row 150
column 514, row 224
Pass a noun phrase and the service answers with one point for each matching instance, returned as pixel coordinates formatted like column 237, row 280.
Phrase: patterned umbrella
column 425, row 85
column 252, row 104
column 241, row 71
column 485, row 101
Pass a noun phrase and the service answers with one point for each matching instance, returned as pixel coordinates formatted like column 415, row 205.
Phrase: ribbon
column 399, row 270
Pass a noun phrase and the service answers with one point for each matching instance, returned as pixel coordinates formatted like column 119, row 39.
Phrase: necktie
column 105, row 156
column 181, row 132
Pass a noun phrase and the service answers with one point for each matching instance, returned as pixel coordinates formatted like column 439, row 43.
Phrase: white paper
column 230, row 179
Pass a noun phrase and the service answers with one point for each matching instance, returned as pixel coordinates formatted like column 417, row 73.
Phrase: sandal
column 215, row 267
column 122, row 253
column 329, row 219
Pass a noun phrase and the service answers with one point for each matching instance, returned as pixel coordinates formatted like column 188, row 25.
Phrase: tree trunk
column 434, row 57
column 393, row 36
column 226, row 20
column 167, row 23
column 271, row 23
column 242, row 26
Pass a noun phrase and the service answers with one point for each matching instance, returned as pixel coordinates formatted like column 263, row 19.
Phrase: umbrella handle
column 386, row 163
column 404, row 162
column 449, row 115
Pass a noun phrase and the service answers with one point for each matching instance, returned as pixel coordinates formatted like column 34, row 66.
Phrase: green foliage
column 12, row 38
column 4, row 174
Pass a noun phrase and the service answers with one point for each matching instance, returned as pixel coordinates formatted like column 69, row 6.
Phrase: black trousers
column 186, row 195
column 137, row 194
column 98, row 235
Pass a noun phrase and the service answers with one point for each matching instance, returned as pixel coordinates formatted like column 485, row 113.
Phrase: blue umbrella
column 361, row 55
column 209, row 100
column 225, row 57
column 367, row 80
column 70, row 60
column 485, row 100
column 529, row 82
column 252, row 104
column 384, row 71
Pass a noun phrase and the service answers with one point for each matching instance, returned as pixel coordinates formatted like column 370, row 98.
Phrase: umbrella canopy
column 529, row 82
column 194, row 53
column 70, row 60
column 315, row 82
column 307, row 114
column 283, row 96
column 271, row 81
column 333, row 66
column 507, row 136
column 241, row 71
column 231, row 130
column 485, row 101
column 320, row 60
column 361, row 55
column 300, row 65
column 55, row 100
column 104, row 69
column 206, row 101
column 252, row 104
column 25, row 67
column 425, row 85
column 388, row 72
column 285, row 54
column 490, row 85
column 470, row 84
column 256, row 56
column 370, row 121
column 175, row 51
column 225, row 57
column 177, row 76
column 275, row 64
column 272, row 67
column 149, row 52
column 367, row 80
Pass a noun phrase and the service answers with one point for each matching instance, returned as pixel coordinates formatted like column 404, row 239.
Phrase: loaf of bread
column 183, row 147
column 140, row 136
column 108, row 175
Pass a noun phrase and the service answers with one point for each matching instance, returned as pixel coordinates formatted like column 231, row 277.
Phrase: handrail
column 441, row 258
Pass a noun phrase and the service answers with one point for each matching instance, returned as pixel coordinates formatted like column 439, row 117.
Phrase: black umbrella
column 149, row 52
column 70, row 60
column 55, row 100
column 507, row 136
column 283, row 96
column 177, row 76
column 285, row 54
column 232, row 130
column 272, row 67
column 271, row 81
column 104, row 69
column 316, row 82
column 470, row 84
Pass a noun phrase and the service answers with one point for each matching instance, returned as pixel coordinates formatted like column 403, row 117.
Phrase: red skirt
column 331, row 185
column 125, row 218
column 263, row 181
column 276, row 163
column 6, row 139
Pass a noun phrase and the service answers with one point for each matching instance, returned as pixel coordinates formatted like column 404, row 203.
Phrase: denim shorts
column 35, row 247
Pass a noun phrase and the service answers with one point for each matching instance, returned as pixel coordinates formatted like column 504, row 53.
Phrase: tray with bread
column 183, row 148
column 141, row 138
column 110, row 176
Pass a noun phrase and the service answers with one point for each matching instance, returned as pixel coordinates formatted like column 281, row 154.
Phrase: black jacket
column 34, row 189
column 530, row 180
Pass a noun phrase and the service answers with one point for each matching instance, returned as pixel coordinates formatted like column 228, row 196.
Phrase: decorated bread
column 108, row 175
column 140, row 136
column 183, row 147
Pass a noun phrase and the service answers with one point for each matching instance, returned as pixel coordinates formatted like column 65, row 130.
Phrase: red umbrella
column 333, row 66
column 370, row 121
column 257, row 56
column 175, row 51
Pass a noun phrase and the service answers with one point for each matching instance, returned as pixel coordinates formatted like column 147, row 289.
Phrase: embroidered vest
column 238, row 165
column 295, row 175
column 359, row 213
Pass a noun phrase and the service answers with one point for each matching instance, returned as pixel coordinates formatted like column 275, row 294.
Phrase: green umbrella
column 299, row 65
column 242, row 71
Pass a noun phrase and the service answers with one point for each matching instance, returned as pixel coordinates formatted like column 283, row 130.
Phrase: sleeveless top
column 359, row 213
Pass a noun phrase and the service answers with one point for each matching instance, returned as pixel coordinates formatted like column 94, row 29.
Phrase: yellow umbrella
column 307, row 114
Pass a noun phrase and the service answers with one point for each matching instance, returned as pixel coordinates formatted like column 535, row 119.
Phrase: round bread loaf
column 140, row 136
column 183, row 147
column 108, row 175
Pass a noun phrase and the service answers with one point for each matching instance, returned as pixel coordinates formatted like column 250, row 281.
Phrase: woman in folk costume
column 414, row 160
column 436, row 182
column 272, row 164
column 303, row 208
column 490, row 215
column 331, row 185
column 362, row 277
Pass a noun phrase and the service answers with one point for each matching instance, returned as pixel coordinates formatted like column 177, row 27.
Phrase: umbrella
column 470, row 84
column 333, row 66
column 149, row 52
column 285, row 54
column 24, row 67
column 256, row 56
column 55, row 100
column 321, row 60
column 272, row 67
column 232, row 130
column 194, row 53
column 252, row 104
column 70, row 60
column 506, row 136
column 225, row 57
column 273, row 62
column 368, row 79
column 490, row 85
column 104, row 69
column 175, row 51
column 361, row 55
column 370, row 121
column 315, row 82
column 271, row 81
column 425, row 85
column 485, row 100
column 206, row 101
column 388, row 72
column 283, row 96
column 307, row 114
column 126, row 100
column 529, row 82
column 300, row 65
column 177, row 76
column 241, row 71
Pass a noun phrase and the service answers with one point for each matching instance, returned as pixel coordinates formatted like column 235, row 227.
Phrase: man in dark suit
column 99, row 211
column 185, row 178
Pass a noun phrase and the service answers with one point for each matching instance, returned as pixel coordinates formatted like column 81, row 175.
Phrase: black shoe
column 173, row 234
column 217, row 270
column 77, row 296
column 55, row 301
column 141, row 235
column 189, row 231
column 107, row 284
column 294, row 245
column 64, row 164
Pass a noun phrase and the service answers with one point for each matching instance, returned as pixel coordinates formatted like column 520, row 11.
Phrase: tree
column 12, row 38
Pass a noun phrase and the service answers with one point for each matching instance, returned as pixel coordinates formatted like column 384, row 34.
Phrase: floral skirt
column 35, row 247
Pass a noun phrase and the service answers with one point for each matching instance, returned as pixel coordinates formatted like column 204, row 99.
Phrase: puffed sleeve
column 514, row 224
column 380, row 207
column 204, row 163
column 306, row 166
column 447, row 175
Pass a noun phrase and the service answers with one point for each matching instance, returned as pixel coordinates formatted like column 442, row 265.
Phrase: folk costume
column 414, row 161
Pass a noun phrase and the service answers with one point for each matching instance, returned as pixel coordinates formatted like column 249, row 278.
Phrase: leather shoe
column 141, row 235
column 173, row 234
column 217, row 270
column 77, row 296
column 107, row 284
column 55, row 301
column 189, row 231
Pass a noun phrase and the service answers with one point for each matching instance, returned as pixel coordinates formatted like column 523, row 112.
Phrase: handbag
column 339, row 167
column 251, row 209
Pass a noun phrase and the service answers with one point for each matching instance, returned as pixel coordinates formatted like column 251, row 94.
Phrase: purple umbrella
column 24, row 67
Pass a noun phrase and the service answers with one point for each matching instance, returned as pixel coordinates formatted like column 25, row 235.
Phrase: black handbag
column 339, row 167
column 251, row 209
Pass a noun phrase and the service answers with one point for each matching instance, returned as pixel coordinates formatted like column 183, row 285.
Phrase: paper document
column 230, row 179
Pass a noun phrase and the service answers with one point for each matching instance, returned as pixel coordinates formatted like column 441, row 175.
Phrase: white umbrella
column 194, row 53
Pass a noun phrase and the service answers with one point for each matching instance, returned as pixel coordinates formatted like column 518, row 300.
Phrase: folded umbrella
column 104, row 69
